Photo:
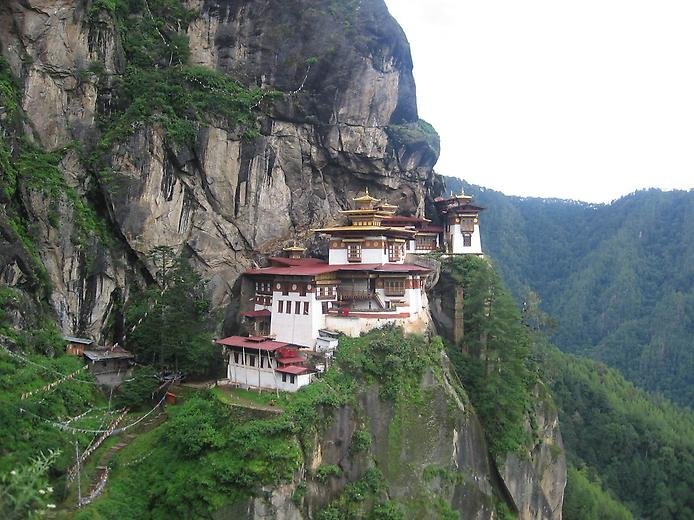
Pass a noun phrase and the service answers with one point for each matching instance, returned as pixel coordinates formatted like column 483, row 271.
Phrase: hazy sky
column 586, row 99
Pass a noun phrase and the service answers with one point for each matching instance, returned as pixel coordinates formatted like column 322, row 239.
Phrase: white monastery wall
column 290, row 327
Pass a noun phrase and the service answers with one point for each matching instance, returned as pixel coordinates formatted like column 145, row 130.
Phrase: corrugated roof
column 384, row 268
column 294, row 369
column 296, row 270
column 242, row 342
column 108, row 353
column 82, row 341
column 292, row 360
column 312, row 270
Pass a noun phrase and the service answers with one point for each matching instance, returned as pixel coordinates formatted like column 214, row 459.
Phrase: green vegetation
column 159, row 86
column 29, row 424
column 138, row 389
column 617, row 278
column 214, row 453
column 25, row 492
column 641, row 448
column 494, row 360
column 361, row 441
column 584, row 499
column 325, row 471
column 357, row 500
column 171, row 322
column 412, row 134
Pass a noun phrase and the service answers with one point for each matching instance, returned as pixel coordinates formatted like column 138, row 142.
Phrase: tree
column 172, row 322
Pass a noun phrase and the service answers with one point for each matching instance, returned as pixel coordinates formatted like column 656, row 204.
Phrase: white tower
column 461, row 225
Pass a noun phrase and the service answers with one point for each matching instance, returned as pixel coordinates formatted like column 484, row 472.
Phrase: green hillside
column 639, row 447
column 618, row 278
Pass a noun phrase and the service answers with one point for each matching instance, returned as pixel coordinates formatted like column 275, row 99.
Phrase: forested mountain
column 618, row 278
column 618, row 437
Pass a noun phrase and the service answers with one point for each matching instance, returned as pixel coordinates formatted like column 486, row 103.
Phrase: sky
column 586, row 100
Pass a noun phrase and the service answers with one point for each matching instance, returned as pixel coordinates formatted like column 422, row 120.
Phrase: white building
column 365, row 283
column 259, row 362
column 461, row 233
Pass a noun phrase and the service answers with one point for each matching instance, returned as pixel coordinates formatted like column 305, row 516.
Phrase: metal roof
column 82, row 341
column 294, row 369
column 295, row 270
column 292, row 360
column 312, row 270
column 384, row 268
column 249, row 343
column 108, row 353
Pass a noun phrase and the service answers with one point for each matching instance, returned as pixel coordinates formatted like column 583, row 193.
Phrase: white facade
column 298, row 328
column 368, row 253
column 457, row 241
column 247, row 376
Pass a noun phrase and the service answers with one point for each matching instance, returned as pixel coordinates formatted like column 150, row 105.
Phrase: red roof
column 431, row 229
column 249, row 343
column 384, row 268
column 313, row 270
column 379, row 315
column 256, row 314
column 299, row 270
column 294, row 369
column 295, row 261
column 291, row 360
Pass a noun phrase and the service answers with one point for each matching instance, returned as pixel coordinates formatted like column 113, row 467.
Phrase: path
column 98, row 481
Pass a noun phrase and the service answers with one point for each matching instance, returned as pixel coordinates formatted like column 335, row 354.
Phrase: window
column 262, row 362
column 394, row 286
column 297, row 307
column 292, row 378
column 305, row 307
column 251, row 360
column 325, row 307
column 467, row 240
column 289, row 308
column 284, row 377
column 236, row 358
column 280, row 306
column 354, row 252
column 394, row 251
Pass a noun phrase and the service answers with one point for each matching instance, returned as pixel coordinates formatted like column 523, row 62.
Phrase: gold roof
column 374, row 212
column 364, row 228
column 294, row 248
column 366, row 197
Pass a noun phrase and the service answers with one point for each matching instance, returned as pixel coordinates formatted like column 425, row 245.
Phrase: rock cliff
column 340, row 115
column 94, row 177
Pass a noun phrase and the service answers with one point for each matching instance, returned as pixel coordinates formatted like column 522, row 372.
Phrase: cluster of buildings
column 298, row 305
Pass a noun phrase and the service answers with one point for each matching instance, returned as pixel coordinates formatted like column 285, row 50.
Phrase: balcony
column 355, row 294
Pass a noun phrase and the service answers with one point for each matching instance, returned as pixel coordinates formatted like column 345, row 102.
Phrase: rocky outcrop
column 535, row 480
column 344, row 79
column 431, row 452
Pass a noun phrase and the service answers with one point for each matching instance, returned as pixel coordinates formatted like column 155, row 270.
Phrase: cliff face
column 431, row 454
column 344, row 97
